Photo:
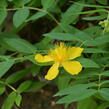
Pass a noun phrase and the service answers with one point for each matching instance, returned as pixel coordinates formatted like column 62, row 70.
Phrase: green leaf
column 65, row 27
column 20, row 16
column 8, row 103
column 88, row 63
column 19, row 3
column 17, row 76
column 24, row 86
column 94, row 50
column 69, row 37
column 26, row 1
column 10, row 0
column 77, row 96
column 75, row 8
column 88, row 103
column 104, row 2
column 93, row 31
column 74, row 89
column 104, row 105
column 6, row 35
column 3, row 15
column 2, row 89
column 98, row 41
column 35, row 86
column 63, row 81
column 35, row 70
column 18, row 100
column 100, row 17
column 5, row 66
column 104, row 82
column 3, row 3
column 37, row 15
column 20, row 45
column 47, row 3
column 105, row 73
column 104, row 92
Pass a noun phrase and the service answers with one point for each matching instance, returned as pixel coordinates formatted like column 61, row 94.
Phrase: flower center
column 59, row 54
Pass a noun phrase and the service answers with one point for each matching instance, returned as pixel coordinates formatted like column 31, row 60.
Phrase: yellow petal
column 72, row 67
column 52, row 72
column 74, row 52
column 40, row 58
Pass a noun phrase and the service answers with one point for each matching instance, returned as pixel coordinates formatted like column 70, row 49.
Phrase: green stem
column 42, row 10
column 99, row 80
column 11, row 87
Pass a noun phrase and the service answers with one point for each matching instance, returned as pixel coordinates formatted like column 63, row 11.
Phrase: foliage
column 82, row 23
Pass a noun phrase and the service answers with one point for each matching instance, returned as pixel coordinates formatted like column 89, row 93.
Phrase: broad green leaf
column 2, row 89
column 20, row 45
column 20, row 3
column 35, row 86
column 100, row 17
column 94, row 50
column 88, row 103
column 7, row 35
column 35, row 3
column 24, row 86
column 88, row 63
column 105, row 73
column 93, row 31
column 69, row 37
column 75, row 8
column 17, row 76
column 65, row 27
column 63, row 81
column 5, row 66
column 74, row 89
column 10, row 0
column 47, row 3
column 4, row 57
column 26, row 1
column 37, row 15
column 61, row 3
column 35, row 70
column 104, row 92
column 9, row 101
column 20, row 16
column 99, row 40
column 3, row 3
column 3, row 15
column 104, row 82
column 18, row 99
column 77, row 96
column 104, row 2
column 104, row 105
column 2, row 50
column 86, row 74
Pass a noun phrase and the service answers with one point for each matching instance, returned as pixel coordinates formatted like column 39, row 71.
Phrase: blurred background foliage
column 28, row 27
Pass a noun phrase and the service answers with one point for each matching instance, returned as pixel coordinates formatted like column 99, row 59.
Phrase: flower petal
column 40, row 58
column 52, row 72
column 74, row 52
column 72, row 67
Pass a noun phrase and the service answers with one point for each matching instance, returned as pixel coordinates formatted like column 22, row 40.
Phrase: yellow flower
column 61, row 55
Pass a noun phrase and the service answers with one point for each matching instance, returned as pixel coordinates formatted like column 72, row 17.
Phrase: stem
column 83, row 43
column 42, row 10
column 99, row 80
column 11, row 87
